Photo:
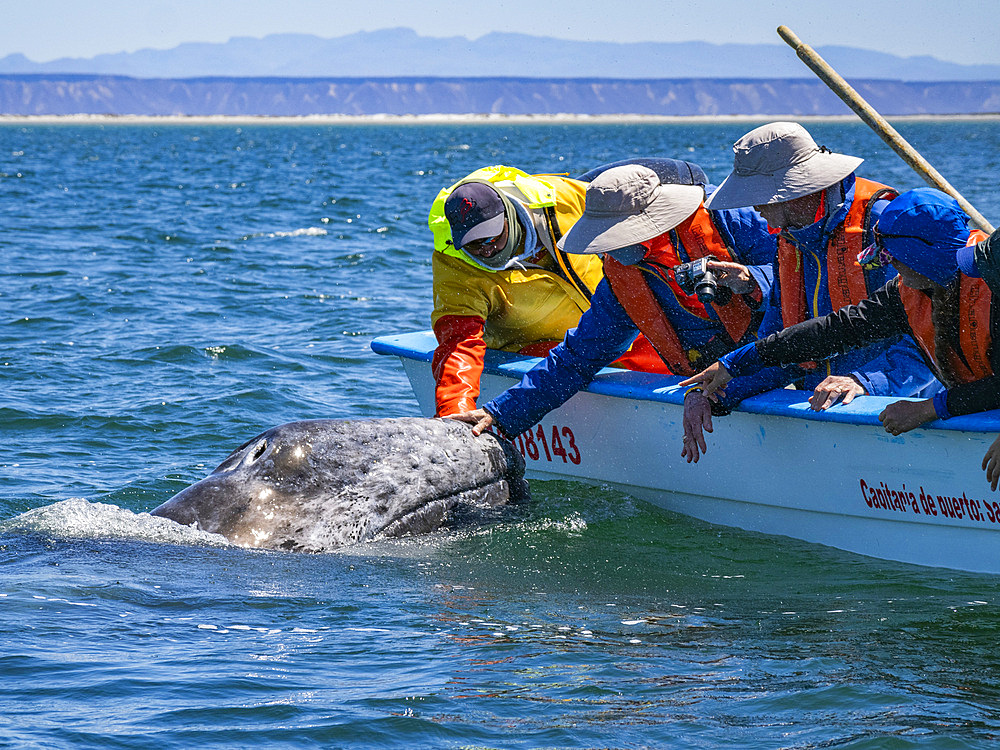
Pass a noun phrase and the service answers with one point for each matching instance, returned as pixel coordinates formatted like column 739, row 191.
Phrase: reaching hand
column 903, row 416
column 480, row 419
column 697, row 417
column 733, row 275
column 712, row 379
column 833, row 389
column 991, row 463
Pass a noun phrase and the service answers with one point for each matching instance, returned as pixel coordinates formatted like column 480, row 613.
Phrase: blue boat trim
column 642, row 386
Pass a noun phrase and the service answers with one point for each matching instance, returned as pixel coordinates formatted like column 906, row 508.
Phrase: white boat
column 774, row 466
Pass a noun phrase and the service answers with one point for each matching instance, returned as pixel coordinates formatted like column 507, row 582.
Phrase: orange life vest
column 971, row 361
column 845, row 279
column 699, row 237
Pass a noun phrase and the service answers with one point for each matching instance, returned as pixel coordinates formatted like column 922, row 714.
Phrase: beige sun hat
column 779, row 162
column 627, row 205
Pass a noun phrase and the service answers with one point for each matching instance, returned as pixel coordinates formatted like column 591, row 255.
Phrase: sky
column 962, row 31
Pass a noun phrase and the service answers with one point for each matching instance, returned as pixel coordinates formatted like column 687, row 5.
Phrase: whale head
column 320, row 484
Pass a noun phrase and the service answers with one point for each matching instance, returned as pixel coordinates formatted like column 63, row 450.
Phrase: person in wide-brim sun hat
column 626, row 206
column 644, row 230
column 950, row 315
column 823, row 214
column 779, row 162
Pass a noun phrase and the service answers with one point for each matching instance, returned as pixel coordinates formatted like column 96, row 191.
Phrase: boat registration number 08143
column 551, row 443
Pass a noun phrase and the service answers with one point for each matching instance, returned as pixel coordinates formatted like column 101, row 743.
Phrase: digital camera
column 695, row 278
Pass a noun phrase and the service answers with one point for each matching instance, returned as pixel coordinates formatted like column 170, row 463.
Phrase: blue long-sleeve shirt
column 606, row 331
column 893, row 367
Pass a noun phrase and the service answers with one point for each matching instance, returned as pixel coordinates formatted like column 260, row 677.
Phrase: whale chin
column 317, row 485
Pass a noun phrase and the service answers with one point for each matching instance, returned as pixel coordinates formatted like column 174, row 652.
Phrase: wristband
column 694, row 389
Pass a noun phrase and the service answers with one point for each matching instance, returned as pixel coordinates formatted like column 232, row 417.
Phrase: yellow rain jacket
column 516, row 310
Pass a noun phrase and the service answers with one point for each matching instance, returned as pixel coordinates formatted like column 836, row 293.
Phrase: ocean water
column 169, row 290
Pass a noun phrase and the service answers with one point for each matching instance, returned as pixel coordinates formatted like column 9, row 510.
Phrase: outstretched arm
column 605, row 331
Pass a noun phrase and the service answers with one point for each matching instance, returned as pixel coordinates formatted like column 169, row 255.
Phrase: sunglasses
column 483, row 242
column 478, row 246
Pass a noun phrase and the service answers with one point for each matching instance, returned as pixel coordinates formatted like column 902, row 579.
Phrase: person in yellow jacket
column 500, row 281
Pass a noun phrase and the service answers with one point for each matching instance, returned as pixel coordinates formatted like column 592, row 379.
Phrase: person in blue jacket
column 823, row 215
column 644, row 229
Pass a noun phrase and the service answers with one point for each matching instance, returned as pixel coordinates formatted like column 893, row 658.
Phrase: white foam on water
column 77, row 518
column 304, row 232
column 573, row 523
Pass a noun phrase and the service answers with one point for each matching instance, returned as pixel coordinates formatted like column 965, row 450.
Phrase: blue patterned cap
column 923, row 229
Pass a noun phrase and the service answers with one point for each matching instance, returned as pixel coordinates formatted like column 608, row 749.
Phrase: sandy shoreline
column 444, row 119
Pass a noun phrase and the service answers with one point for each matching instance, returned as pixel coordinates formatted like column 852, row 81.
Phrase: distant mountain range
column 391, row 53
column 52, row 94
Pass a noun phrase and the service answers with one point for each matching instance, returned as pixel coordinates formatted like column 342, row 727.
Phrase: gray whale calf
column 319, row 484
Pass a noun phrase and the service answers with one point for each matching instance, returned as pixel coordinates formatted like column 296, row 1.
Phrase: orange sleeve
column 457, row 363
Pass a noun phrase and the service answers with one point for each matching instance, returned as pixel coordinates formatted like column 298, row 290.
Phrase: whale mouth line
column 420, row 520
column 436, row 513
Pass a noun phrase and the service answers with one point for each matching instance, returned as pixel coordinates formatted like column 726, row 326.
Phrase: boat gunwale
column 657, row 388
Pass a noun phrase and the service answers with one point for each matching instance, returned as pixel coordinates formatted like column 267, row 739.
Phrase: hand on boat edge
column 480, row 419
column 712, row 381
column 903, row 416
column 835, row 389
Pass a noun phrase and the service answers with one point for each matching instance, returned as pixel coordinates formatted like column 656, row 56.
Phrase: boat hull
column 772, row 466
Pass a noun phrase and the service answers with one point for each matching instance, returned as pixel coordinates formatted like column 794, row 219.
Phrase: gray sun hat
column 779, row 162
column 627, row 205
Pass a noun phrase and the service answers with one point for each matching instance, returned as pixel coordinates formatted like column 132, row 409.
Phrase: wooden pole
column 879, row 124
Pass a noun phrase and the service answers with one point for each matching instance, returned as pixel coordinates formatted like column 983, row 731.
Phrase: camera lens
column 706, row 288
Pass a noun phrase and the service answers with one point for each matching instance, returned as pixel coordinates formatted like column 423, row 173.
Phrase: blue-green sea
column 167, row 291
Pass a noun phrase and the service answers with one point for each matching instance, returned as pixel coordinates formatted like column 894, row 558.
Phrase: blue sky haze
column 961, row 31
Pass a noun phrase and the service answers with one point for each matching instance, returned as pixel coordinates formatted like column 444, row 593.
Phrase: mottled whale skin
column 316, row 485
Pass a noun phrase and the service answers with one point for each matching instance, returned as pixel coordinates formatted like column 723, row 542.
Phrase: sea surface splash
column 76, row 518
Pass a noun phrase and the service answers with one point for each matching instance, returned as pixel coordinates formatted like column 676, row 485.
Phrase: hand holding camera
column 704, row 276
